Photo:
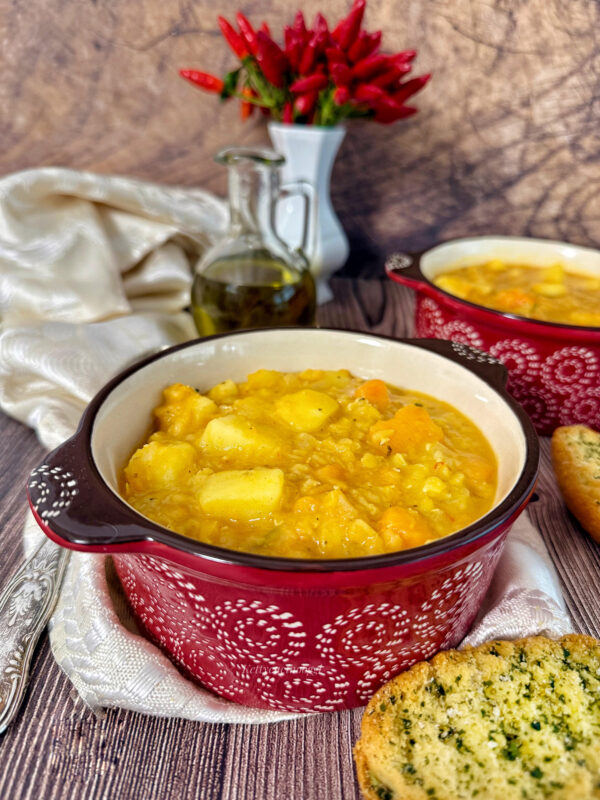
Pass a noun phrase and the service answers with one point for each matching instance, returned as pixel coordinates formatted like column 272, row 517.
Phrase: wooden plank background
column 505, row 142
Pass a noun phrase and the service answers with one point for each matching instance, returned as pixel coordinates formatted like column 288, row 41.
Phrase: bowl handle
column 405, row 268
column 73, row 505
column 478, row 361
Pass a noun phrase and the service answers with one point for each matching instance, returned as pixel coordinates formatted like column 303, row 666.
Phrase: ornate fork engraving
column 25, row 607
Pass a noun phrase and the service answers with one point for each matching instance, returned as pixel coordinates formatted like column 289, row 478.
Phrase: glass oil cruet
column 251, row 278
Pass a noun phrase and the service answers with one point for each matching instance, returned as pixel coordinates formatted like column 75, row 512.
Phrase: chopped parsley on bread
column 502, row 721
column 576, row 462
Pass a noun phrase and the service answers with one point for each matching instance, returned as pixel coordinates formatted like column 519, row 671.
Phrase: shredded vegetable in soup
column 316, row 464
column 550, row 294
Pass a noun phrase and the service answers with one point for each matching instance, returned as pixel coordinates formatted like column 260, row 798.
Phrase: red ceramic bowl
column 274, row 632
column 554, row 370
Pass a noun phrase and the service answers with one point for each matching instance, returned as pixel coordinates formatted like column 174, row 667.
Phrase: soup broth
column 316, row 464
column 550, row 294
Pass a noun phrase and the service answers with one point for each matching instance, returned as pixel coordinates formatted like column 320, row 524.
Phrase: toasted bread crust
column 576, row 461
column 502, row 721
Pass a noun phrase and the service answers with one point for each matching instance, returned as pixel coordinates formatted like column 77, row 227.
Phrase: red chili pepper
column 247, row 31
column 364, row 45
column 305, row 103
column 359, row 47
column 346, row 32
column 341, row 96
column 265, row 28
column 312, row 83
column 292, row 46
column 370, row 66
column 234, row 40
column 387, row 78
column 288, row 113
column 308, row 59
column 271, row 59
column 323, row 41
column 334, row 56
column 289, row 37
column 311, row 52
column 404, row 56
column 404, row 66
column 366, row 93
column 293, row 50
column 246, row 109
column 409, row 88
column 300, row 25
column 341, row 74
column 387, row 111
column 320, row 24
column 204, row 80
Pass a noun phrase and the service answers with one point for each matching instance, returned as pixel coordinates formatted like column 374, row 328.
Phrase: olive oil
column 251, row 290
column 251, row 278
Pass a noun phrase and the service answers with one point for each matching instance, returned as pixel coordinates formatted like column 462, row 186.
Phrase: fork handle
column 26, row 604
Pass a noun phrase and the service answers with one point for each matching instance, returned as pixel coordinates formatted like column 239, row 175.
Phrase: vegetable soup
column 550, row 294
column 316, row 464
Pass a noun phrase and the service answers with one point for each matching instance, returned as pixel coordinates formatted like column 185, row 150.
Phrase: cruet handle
column 304, row 190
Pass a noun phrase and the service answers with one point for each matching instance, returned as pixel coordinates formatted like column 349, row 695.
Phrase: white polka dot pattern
column 354, row 638
column 541, row 405
column 432, row 324
column 520, row 358
column 556, row 386
column 430, row 319
column 257, row 631
column 470, row 353
column 52, row 490
column 303, row 687
column 297, row 652
column 570, row 368
column 584, row 405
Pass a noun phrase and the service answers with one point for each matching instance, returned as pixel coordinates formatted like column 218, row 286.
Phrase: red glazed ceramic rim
column 122, row 528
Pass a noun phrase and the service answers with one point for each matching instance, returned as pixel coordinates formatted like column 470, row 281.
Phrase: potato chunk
column 306, row 410
column 234, row 432
column 224, row 392
column 158, row 464
column 554, row 274
column 454, row 284
column 183, row 411
column 242, row 493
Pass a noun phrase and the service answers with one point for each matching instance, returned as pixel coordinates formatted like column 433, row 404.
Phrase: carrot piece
column 305, row 504
column 515, row 300
column 331, row 472
column 375, row 392
column 409, row 430
column 401, row 528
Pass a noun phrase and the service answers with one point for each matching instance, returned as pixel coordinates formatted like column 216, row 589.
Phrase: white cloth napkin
column 94, row 273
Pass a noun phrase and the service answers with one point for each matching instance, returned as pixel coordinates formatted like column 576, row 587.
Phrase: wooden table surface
column 58, row 748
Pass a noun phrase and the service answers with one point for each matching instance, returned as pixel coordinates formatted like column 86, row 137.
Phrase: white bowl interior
column 511, row 249
column 124, row 419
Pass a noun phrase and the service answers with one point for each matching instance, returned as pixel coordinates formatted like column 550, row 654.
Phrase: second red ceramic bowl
column 554, row 369
column 285, row 633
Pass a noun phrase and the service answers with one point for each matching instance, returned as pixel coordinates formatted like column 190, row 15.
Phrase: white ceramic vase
column 310, row 152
